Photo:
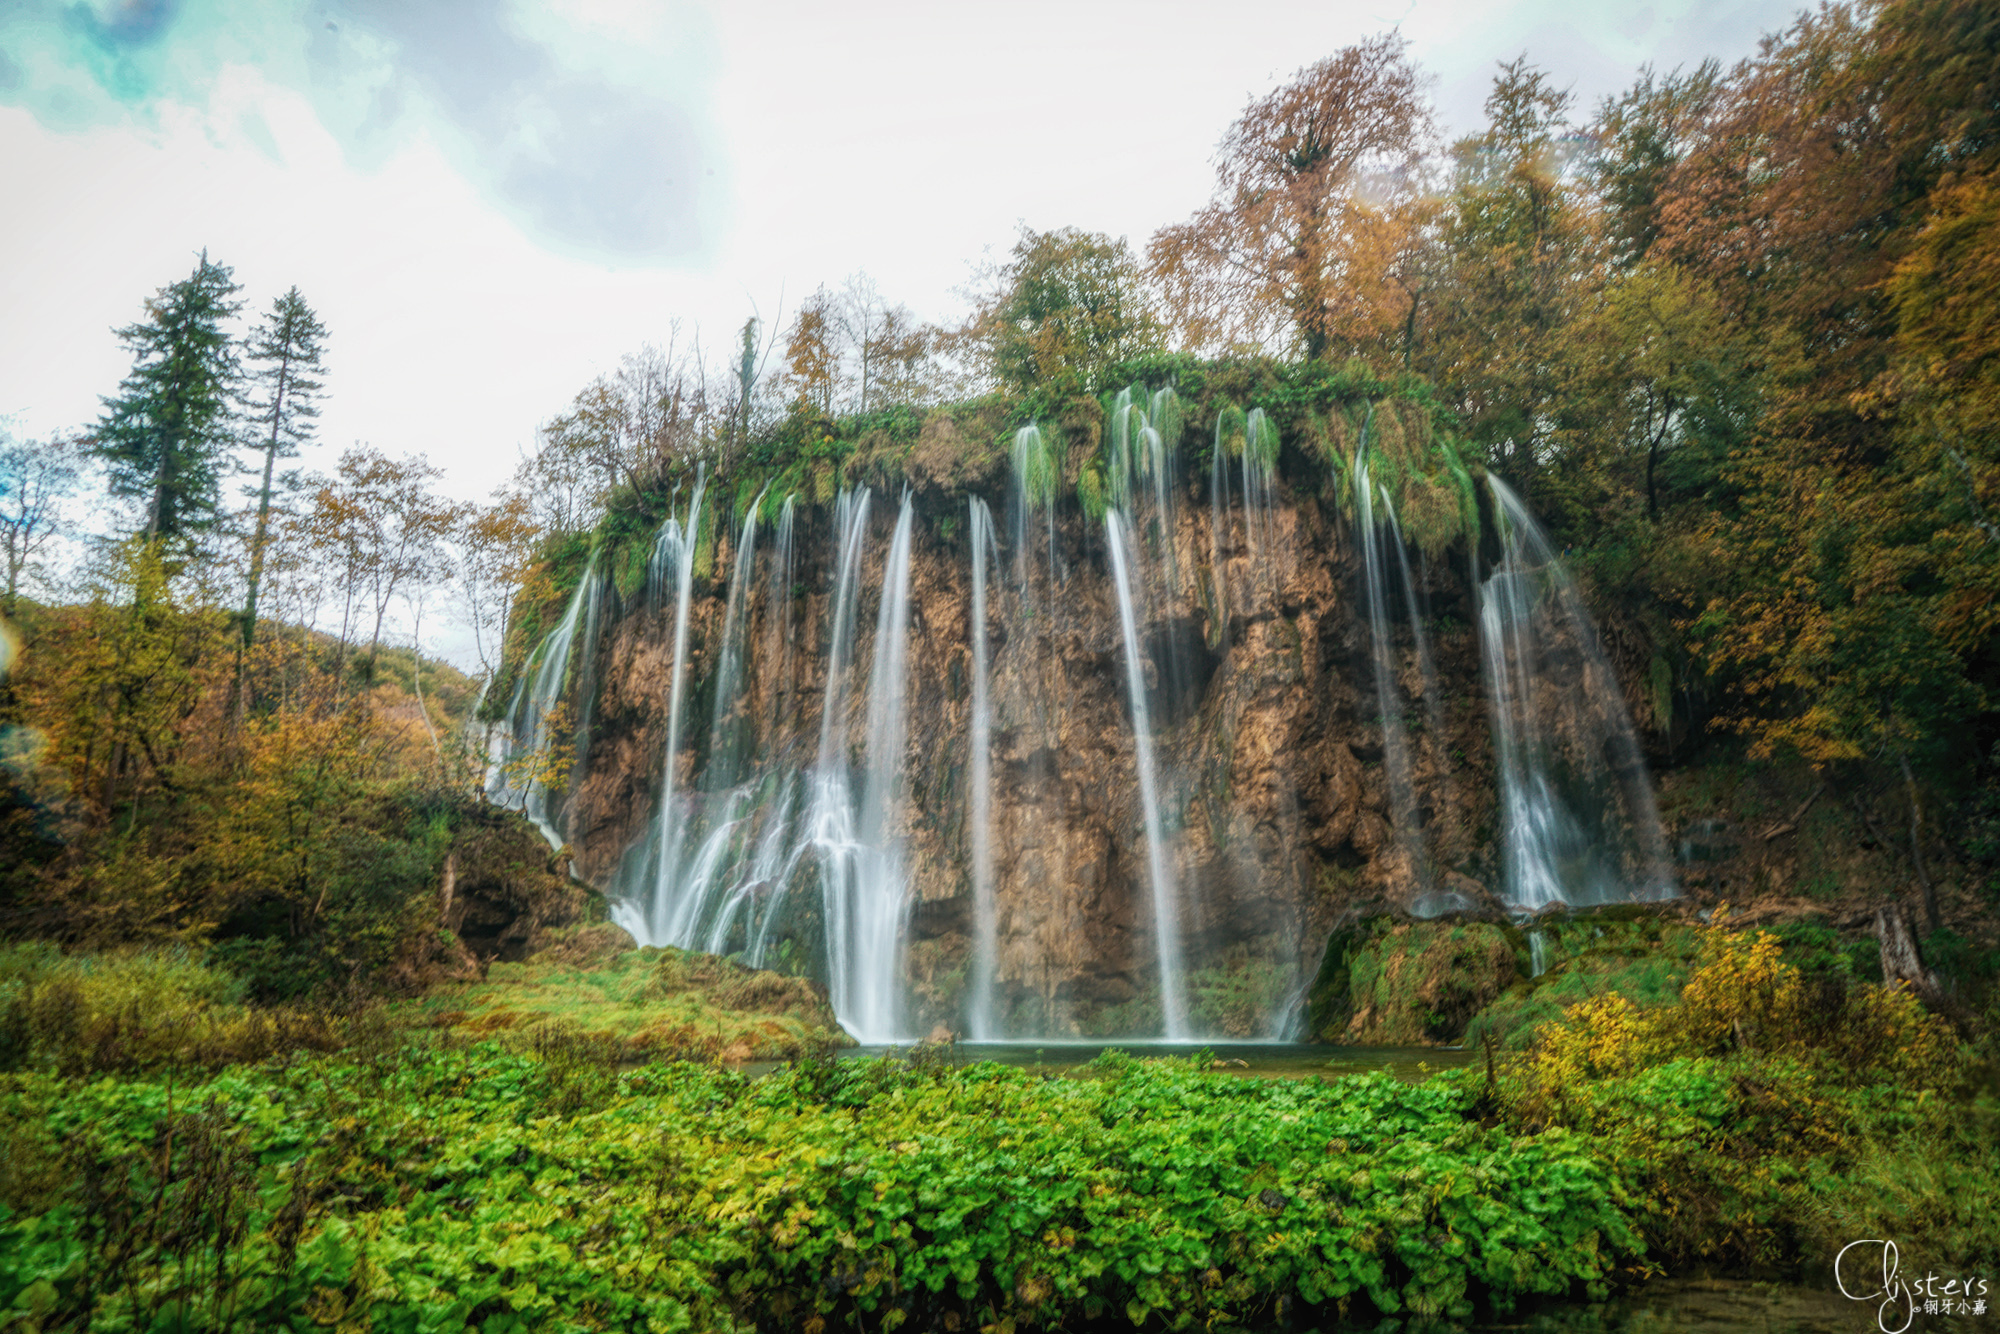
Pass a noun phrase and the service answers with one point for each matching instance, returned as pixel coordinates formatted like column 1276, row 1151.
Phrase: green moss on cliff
column 1411, row 982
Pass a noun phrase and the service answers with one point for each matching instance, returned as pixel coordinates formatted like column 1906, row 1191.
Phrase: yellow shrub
column 1741, row 991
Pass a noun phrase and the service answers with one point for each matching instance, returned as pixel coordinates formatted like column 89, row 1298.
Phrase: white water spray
column 1166, row 905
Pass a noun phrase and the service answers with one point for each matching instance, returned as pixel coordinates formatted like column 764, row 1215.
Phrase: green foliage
column 535, row 1181
column 1757, row 1116
column 1644, row 959
column 1091, row 494
column 1069, row 305
column 471, row 1187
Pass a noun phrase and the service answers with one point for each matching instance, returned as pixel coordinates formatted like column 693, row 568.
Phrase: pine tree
column 285, row 352
column 164, row 435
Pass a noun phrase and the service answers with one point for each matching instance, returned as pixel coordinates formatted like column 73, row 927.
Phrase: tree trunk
column 159, row 493
column 448, row 888
column 263, row 512
column 1900, row 960
column 1931, row 917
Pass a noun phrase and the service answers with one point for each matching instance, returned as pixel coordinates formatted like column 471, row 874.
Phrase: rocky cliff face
column 1259, row 664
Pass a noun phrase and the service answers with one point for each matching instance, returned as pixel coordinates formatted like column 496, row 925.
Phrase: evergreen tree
column 164, row 435
column 285, row 352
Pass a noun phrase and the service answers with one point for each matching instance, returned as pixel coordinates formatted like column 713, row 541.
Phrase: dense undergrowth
column 412, row 1179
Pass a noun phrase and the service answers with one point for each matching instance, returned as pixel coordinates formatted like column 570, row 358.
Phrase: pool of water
column 1721, row 1306
column 1257, row 1060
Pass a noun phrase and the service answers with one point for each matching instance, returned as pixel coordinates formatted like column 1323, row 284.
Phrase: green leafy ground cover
column 466, row 1188
column 417, row 1179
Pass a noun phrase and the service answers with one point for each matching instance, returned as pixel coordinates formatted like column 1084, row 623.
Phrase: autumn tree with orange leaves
column 1318, row 198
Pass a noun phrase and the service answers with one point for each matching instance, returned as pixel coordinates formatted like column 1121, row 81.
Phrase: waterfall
column 726, row 735
column 520, row 780
column 1538, row 953
column 709, row 897
column 979, row 795
column 1260, row 475
column 860, row 848
column 1578, row 821
column 660, row 913
column 778, row 636
column 1388, row 696
column 812, row 857
column 1036, row 473
column 712, row 870
column 1218, row 528
column 1144, row 433
column 1434, row 719
column 1431, row 901
column 1166, row 906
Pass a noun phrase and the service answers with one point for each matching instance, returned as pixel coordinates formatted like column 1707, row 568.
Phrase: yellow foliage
column 1741, row 987
column 1744, row 996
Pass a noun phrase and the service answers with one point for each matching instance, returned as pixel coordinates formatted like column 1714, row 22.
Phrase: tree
column 35, row 478
column 812, row 355
column 496, row 545
column 596, row 435
column 285, row 353
column 1524, row 262
column 559, row 482
column 901, row 359
column 666, row 404
column 860, row 313
column 1298, row 177
column 1066, row 307
column 1661, row 380
column 1641, row 136
column 379, row 523
column 164, row 435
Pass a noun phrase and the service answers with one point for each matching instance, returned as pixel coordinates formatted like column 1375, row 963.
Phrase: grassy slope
column 637, row 1003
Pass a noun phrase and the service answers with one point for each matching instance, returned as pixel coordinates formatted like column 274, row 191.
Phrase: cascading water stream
column 1388, row 695
column 519, row 780
column 979, row 796
column 862, row 876
column 1578, row 820
column 1434, row 721
column 712, row 870
column 657, row 917
column 778, row 635
column 1166, row 905
column 727, row 811
column 1218, row 531
column 1036, row 472
column 1260, row 476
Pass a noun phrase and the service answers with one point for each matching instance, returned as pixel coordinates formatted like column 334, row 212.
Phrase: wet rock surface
column 1271, row 756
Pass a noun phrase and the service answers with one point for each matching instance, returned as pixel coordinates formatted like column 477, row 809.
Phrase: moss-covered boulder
column 1384, row 981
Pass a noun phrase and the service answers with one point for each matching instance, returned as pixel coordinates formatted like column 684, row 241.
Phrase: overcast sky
column 488, row 202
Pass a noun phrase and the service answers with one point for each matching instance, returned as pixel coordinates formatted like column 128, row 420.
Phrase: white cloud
column 901, row 138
